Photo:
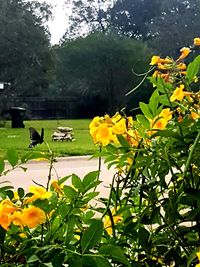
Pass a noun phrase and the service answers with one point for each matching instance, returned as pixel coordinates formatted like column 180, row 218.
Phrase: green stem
column 193, row 147
column 109, row 199
column 50, row 167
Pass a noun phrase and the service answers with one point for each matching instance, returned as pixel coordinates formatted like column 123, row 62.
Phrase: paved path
column 38, row 171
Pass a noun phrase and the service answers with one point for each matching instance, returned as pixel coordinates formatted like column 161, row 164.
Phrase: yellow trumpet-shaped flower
column 16, row 218
column 33, row 216
column 179, row 94
column 116, row 118
column 181, row 66
column 133, row 137
column 6, row 210
column 154, row 60
column 197, row 41
column 120, row 127
column 185, row 51
column 160, row 122
column 166, row 113
column 58, row 188
column 38, row 193
column 103, row 134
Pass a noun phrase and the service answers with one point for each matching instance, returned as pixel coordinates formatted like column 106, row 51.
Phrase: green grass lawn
column 19, row 138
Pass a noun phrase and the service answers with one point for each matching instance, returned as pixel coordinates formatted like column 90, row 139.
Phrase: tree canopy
column 25, row 58
column 99, row 69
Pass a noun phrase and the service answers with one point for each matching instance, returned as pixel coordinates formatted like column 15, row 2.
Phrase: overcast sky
column 59, row 24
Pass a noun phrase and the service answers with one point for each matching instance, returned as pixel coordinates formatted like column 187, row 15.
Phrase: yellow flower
column 5, row 220
column 163, row 67
column 107, row 221
column 57, row 187
column 117, row 117
column 119, row 127
column 6, row 209
column 185, row 51
column 154, row 60
column 103, row 134
column 160, row 122
column 16, row 218
column 195, row 115
column 197, row 41
column 166, row 60
column 179, row 94
column 198, row 256
column 181, row 66
column 133, row 137
column 33, row 216
column 38, row 193
column 166, row 113
column 23, row 235
column 130, row 122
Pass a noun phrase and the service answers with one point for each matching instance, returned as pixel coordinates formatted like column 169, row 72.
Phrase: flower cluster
column 104, row 130
column 171, row 70
column 20, row 213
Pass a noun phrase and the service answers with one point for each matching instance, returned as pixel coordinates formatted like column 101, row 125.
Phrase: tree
column 25, row 57
column 98, row 69
column 87, row 16
column 178, row 22
column 131, row 18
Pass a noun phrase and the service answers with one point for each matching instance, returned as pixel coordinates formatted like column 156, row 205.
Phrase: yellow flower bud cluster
column 20, row 214
column 168, row 68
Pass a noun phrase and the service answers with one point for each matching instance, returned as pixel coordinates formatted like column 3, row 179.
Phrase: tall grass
column 19, row 138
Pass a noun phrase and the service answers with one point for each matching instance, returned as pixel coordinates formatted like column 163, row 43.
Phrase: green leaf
column 193, row 69
column 92, row 235
column 146, row 110
column 20, row 192
column 2, row 165
column 123, row 141
column 89, row 196
column 77, row 183
column 191, row 258
column 163, row 99
column 110, row 158
column 64, row 210
column 154, row 101
column 64, row 179
column 88, row 179
column 167, row 133
column 143, row 237
column 10, row 194
column 143, row 121
column 111, row 149
column 114, row 253
column 95, row 261
column 13, row 157
column 69, row 192
column 33, row 258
